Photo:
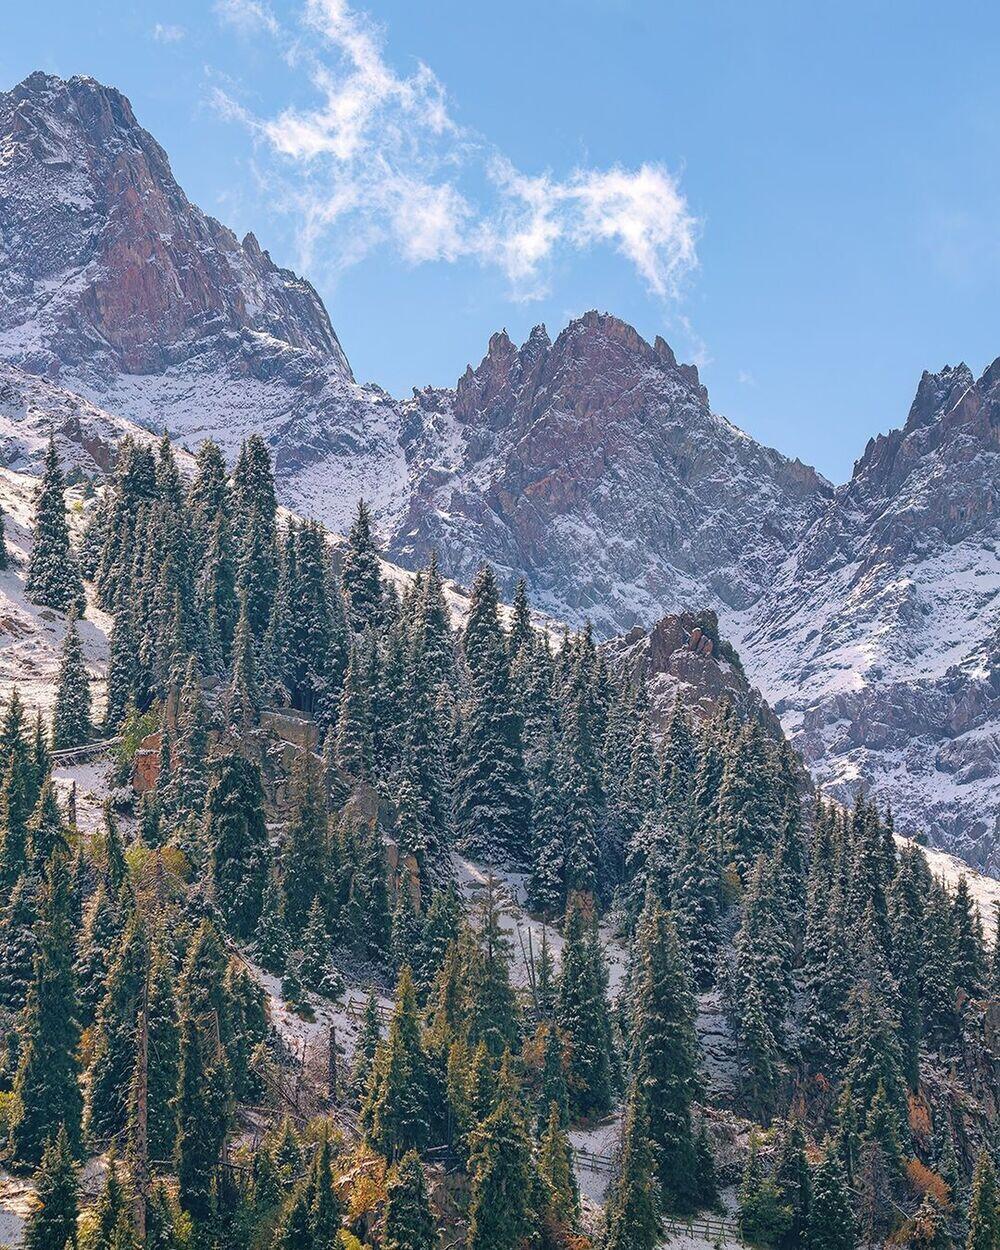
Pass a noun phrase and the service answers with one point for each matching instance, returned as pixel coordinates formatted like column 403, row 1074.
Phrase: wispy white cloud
column 383, row 151
column 167, row 32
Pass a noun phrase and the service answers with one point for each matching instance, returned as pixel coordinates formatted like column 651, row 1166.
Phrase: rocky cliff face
column 879, row 643
column 594, row 467
column 591, row 465
column 113, row 284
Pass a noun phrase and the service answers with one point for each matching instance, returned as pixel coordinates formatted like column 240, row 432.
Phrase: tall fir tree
column 52, row 1224
column 47, row 1085
column 71, row 722
column 409, row 1221
column 632, row 1215
column 665, row 1056
column 236, row 837
column 53, row 578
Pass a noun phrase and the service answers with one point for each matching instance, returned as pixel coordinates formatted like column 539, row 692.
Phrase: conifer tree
column 123, row 675
column 555, row 1166
column 632, row 1215
column 501, row 1178
column 236, row 837
column 764, row 1218
column 116, row 1034
column 112, row 1217
column 362, row 576
column 46, row 1084
column 71, row 723
column 984, row 1207
column 202, row 1113
column 409, row 1222
column 253, row 488
column 208, row 494
column 189, row 782
column 305, row 858
column 396, row 1112
column 46, row 828
column 317, row 974
column 52, row 1222
column 830, row 1225
column 492, row 1008
column 792, row 1177
column 53, row 579
column 4, row 553
column 272, row 936
column 583, row 1019
column 163, row 1058
column 366, row 1046
column 18, row 792
column 215, row 596
column 664, row 1056
column 18, row 944
column 492, row 805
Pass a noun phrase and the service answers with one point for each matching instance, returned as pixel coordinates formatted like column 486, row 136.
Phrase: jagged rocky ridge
column 591, row 465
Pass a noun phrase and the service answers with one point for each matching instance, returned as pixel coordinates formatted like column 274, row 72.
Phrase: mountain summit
column 591, row 465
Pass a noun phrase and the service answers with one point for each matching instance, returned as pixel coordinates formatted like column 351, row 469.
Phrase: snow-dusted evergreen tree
column 4, row 553
column 47, row 1080
column 492, row 806
column 664, row 1055
column 362, row 575
column 53, row 579
column 236, row 837
column 396, row 1113
column 71, row 721
column 583, row 1018
column 632, row 1213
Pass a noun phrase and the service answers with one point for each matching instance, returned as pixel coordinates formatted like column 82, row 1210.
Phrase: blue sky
column 802, row 197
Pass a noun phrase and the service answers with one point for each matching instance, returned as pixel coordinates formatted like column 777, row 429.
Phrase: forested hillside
column 592, row 937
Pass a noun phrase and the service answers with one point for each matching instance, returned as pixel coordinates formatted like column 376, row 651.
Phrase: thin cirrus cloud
column 382, row 152
column 167, row 32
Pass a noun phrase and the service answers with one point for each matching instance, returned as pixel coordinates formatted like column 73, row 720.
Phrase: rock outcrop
column 592, row 465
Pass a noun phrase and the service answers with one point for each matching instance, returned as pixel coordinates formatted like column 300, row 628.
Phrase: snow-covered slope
column 591, row 465
column 31, row 637
column 879, row 642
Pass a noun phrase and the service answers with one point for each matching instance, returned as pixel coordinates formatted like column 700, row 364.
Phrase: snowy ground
column 526, row 932
column 985, row 891
column 31, row 637
column 17, row 1198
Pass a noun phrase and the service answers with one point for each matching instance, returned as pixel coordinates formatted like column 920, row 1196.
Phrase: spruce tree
column 583, row 1019
column 632, row 1215
column 236, row 837
column 52, row 1222
column 764, row 1218
column 501, row 1176
column 492, row 805
column 272, row 942
column 396, row 1111
column 18, row 943
column 830, row 1225
column 46, row 1084
column 665, row 1056
column 409, row 1222
column 4, row 553
column 366, row 1046
column 46, row 827
column 53, row 579
column 71, row 723
column 202, row 1114
column 984, row 1207
column 362, row 577
column 305, row 859
column 116, row 1034
column 555, row 1166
